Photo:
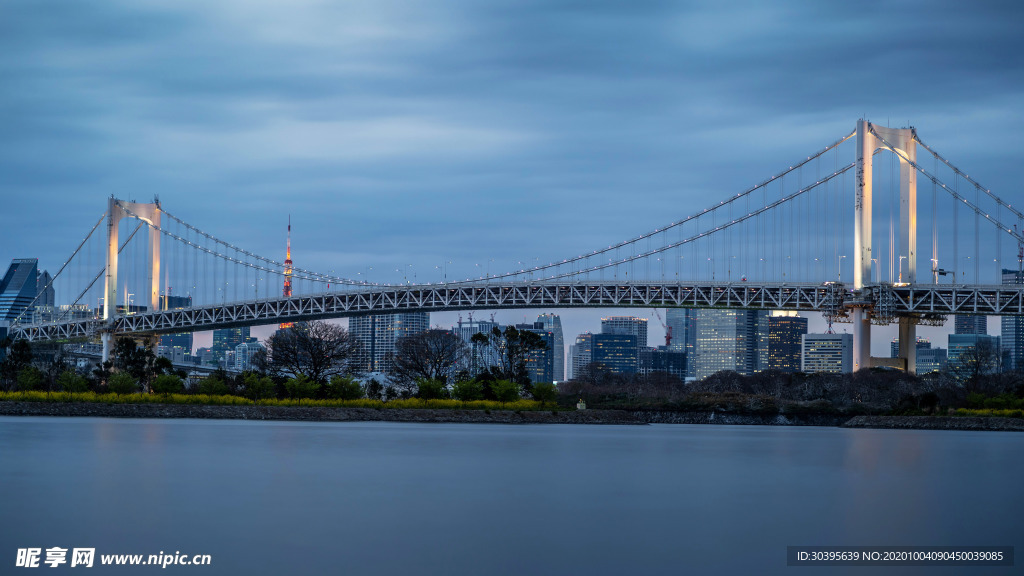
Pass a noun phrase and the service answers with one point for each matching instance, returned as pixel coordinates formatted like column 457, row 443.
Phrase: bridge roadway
column 887, row 301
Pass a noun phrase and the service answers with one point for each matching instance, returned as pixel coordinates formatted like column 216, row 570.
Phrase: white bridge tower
column 902, row 139
column 116, row 210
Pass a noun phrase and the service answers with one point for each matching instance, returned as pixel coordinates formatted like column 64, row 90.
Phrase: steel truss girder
column 913, row 299
column 994, row 300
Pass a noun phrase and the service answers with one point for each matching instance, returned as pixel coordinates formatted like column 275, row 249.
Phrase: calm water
column 383, row 498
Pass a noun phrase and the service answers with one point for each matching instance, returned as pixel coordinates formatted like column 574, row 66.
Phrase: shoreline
column 593, row 417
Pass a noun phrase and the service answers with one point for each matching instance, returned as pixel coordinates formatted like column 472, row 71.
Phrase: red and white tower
column 288, row 271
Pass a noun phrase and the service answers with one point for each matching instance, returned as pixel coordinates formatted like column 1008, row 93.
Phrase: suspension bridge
column 785, row 243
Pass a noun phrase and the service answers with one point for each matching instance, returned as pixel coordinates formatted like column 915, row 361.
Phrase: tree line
column 974, row 382
column 310, row 360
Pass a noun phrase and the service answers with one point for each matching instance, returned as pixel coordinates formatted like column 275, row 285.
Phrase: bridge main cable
column 953, row 193
column 32, row 304
column 307, row 274
column 706, row 233
column 690, row 218
column 976, row 184
column 304, row 274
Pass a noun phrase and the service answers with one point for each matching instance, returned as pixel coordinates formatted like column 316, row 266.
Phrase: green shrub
column 468, row 390
column 122, row 383
column 343, row 388
column 505, row 390
column 30, row 378
column 430, row 389
column 301, row 387
column 168, row 384
column 71, row 381
column 545, row 392
column 212, row 386
column 257, row 387
column 373, row 390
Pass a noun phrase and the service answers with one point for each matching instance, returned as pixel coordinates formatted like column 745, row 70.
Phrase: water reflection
column 388, row 498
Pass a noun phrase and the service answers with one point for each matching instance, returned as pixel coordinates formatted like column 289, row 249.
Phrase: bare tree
column 431, row 355
column 514, row 347
column 978, row 361
column 316, row 349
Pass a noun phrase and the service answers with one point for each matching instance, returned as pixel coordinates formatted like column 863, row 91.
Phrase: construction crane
column 668, row 329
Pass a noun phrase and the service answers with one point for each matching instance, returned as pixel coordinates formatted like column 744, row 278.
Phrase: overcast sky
column 424, row 132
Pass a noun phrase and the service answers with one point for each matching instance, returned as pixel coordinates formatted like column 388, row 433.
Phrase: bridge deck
column 884, row 299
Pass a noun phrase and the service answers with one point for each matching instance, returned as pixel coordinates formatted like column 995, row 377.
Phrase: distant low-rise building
column 244, row 353
column 616, row 352
column 827, row 353
column 663, row 359
column 928, row 359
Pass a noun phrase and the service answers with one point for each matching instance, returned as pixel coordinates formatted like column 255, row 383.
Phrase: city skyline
column 393, row 157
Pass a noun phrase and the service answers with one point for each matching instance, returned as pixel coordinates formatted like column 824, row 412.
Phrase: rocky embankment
column 937, row 423
column 312, row 414
column 728, row 418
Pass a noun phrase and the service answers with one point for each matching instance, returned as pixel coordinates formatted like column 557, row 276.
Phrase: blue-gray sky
column 419, row 133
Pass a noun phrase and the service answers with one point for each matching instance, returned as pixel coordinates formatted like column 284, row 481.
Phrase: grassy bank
column 202, row 399
column 991, row 412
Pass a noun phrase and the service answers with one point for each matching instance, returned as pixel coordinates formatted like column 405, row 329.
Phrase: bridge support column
column 862, row 244
column 908, row 343
column 106, row 337
column 861, row 339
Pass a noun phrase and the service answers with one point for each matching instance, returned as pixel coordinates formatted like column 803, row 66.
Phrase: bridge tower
column 116, row 210
column 902, row 139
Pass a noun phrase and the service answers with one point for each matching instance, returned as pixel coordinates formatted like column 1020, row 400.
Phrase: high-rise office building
column 621, row 326
column 961, row 343
column 930, row 360
column 20, row 287
column 581, row 353
column 894, row 346
column 785, row 330
column 378, row 335
column 663, row 359
column 46, row 294
column 616, row 352
column 827, row 353
column 540, row 363
column 630, row 325
column 553, row 324
column 970, row 324
column 734, row 340
column 224, row 343
column 1012, row 333
column 480, row 357
column 683, row 322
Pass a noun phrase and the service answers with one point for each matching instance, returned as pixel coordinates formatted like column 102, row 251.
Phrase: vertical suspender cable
column 935, row 226
column 977, row 240
column 957, row 271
